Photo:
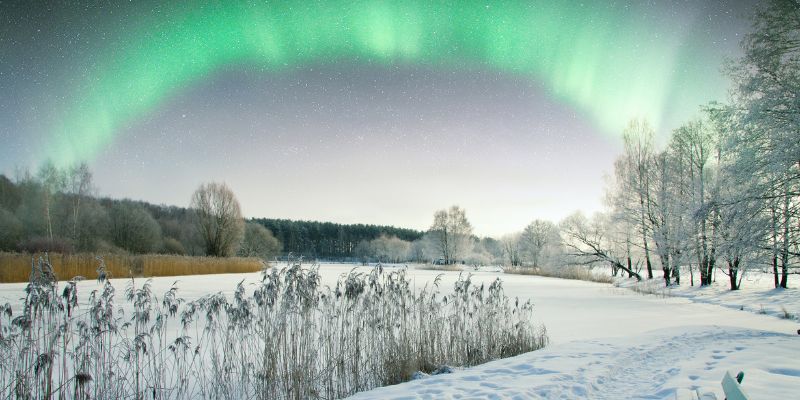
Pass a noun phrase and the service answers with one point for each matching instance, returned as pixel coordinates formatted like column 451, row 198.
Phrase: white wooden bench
column 733, row 388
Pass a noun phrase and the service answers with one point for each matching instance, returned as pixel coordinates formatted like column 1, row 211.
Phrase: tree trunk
column 704, row 278
column 47, row 216
column 630, row 267
column 628, row 270
column 775, row 248
column 644, row 238
column 647, row 260
column 784, row 269
column 733, row 271
column 785, row 247
column 712, row 264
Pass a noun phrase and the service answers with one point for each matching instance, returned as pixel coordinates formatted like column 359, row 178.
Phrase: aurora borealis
column 102, row 80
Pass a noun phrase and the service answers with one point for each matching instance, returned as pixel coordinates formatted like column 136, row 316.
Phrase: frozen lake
column 597, row 332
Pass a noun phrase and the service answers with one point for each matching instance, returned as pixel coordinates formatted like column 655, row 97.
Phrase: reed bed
column 16, row 267
column 450, row 267
column 289, row 338
column 573, row 273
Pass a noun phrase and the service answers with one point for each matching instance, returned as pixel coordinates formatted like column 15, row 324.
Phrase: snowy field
column 607, row 342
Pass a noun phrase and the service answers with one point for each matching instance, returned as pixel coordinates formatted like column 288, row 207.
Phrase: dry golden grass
column 434, row 267
column 574, row 273
column 16, row 267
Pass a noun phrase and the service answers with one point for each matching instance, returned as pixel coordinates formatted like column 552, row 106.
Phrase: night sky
column 359, row 111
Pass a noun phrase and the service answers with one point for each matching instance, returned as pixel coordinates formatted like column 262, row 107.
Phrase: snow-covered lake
column 606, row 342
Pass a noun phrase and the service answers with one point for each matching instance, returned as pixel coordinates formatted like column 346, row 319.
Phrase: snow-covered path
column 612, row 343
column 657, row 365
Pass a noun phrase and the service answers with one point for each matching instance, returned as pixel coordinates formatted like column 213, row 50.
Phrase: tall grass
column 647, row 287
column 15, row 267
column 569, row 272
column 289, row 339
column 449, row 267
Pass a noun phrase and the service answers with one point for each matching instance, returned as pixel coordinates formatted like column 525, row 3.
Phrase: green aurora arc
column 605, row 61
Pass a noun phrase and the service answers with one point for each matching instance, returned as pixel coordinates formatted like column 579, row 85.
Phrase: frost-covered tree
column 52, row 182
column 451, row 233
column 512, row 249
column 535, row 240
column 587, row 242
column 78, row 187
column 638, row 161
column 767, row 113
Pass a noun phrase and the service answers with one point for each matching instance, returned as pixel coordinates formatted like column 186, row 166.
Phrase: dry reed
column 16, row 267
column 440, row 267
column 290, row 339
column 573, row 273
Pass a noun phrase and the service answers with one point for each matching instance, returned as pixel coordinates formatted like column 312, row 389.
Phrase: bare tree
column 638, row 140
column 624, row 215
column 389, row 249
column 78, row 186
column 587, row 243
column 52, row 181
column 451, row 231
column 512, row 249
column 219, row 218
column 536, row 237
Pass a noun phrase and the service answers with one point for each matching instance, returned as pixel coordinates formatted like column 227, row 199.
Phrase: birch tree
column 638, row 159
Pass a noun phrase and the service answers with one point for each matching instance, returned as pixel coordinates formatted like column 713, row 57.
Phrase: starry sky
column 356, row 111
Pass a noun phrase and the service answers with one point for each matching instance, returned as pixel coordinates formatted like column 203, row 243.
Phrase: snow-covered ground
column 612, row 343
column 607, row 342
column 757, row 293
column 662, row 364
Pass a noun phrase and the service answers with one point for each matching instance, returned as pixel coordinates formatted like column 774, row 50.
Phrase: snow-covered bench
column 732, row 388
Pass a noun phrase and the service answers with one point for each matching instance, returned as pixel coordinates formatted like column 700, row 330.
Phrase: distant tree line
column 56, row 210
column 332, row 241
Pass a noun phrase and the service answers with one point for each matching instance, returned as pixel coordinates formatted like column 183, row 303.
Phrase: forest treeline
column 328, row 240
column 56, row 210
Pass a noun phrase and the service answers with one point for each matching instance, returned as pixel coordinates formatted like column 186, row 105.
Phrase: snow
column 757, row 294
column 661, row 364
column 607, row 342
